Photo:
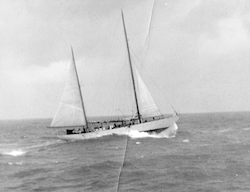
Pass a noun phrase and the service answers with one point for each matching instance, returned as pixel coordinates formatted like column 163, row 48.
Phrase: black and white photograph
column 125, row 96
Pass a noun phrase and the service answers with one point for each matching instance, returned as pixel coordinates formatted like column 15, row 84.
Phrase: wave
column 225, row 130
column 11, row 149
column 167, row 133
column 13, row 152
column 15, row 163
column 16, row 150
column 45, row 144
column 134, row 134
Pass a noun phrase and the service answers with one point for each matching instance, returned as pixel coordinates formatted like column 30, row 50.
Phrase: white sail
column 148, row 107
column 70, row 110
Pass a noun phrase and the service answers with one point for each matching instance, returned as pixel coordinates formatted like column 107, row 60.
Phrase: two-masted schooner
column 72, row 122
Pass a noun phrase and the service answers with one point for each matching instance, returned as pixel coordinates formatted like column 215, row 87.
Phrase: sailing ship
column 73, row 123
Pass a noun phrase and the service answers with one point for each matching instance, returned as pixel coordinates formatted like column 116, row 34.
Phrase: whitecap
column 167, row 133
column 14, row 152
column 134, row 134
column 45, row 144
column 185, row 141
column 224, row 130
column 16, row 163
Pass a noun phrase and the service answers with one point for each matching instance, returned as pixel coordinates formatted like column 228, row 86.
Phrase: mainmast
column 131, row 69
column 78, row 83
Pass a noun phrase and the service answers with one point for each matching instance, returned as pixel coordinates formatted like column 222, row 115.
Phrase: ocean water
column 211, row 152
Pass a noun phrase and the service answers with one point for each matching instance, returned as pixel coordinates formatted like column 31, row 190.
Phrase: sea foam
column 13, row 152
column 168, row 133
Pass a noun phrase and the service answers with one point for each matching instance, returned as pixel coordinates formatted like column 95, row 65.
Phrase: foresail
column 148, row 107
column 70, row 111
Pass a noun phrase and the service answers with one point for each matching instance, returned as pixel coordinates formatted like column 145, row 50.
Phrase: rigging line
column 149, row 93
column 123, row 162
column 65, row 15
column 59, row 20
column 124, row 157
column 160, row 91
column 149, row 29
column 103, row 66
column 145, row 51
column 116, row 99
column 152, row 81
column 68, row 11
column 75, row 12
column 148, row 75
column 135, row 56
column 112, row 98
column 121, row 113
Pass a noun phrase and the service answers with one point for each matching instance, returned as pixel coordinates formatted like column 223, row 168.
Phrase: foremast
column 79, row 87
column 131, row 70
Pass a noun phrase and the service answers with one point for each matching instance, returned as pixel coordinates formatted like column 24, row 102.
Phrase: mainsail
column 148, row 107
column 70, row 111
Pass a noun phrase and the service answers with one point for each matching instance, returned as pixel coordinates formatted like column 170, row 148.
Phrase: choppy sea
column 211, row 152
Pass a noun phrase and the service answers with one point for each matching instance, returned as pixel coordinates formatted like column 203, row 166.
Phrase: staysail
column 70, row 111
column 148, row 107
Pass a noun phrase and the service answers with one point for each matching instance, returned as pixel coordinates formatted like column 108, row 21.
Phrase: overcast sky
column 197, row 51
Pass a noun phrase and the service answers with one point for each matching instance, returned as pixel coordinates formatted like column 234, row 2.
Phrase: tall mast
column 78, row 82
column 131, row 69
